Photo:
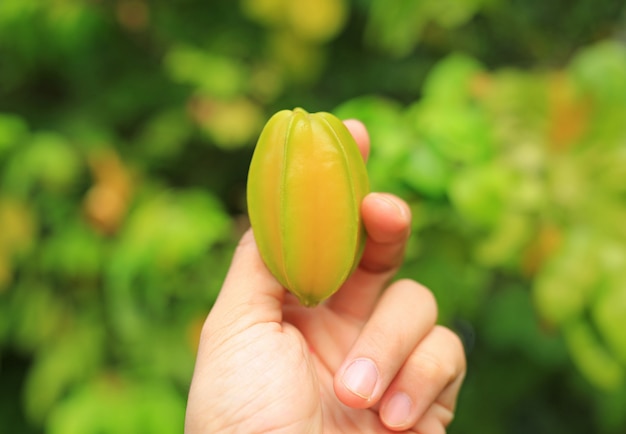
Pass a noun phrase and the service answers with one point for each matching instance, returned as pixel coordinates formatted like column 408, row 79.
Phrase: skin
column 266, row 364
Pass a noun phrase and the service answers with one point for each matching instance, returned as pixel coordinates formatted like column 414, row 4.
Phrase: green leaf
column 390, row 138
column 427, row 171
column 451, row 79
column 510, row 323
column 399, row 26
column 48, row 160
column 67, row 360
column 114, row 405
column 609, row 310
column 601, row 69
column 73, row 251
column 504, row 243
column 567, row 283
column 172, row 229
column 165, row 135
column 212, row 73
column 596, row 363
column 13, row 131
column 480, row 193
column 461, row 133
column 609, row 314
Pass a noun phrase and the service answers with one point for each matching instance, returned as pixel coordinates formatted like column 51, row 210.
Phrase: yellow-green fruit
column 306, row 182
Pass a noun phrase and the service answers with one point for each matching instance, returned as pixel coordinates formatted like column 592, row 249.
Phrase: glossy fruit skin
column 306, row 182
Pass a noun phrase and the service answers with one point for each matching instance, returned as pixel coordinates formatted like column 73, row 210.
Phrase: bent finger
column 431, row 376
column 387, row 220
column 405, row 313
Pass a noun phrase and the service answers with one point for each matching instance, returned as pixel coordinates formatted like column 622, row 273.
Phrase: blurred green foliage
column 126, row 129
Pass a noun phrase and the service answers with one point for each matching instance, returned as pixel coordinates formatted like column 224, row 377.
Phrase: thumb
column 250, row 294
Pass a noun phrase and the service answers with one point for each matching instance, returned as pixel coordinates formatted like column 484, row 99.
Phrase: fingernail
column 361, row 377
column 397, row 410
column 391, row 204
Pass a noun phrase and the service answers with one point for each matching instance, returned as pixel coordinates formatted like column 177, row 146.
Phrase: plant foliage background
column 126, row 129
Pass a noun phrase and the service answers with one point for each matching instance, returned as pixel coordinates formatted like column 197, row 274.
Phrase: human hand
column 368, row 360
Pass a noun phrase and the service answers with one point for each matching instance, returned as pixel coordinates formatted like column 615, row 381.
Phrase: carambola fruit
column 306, row 182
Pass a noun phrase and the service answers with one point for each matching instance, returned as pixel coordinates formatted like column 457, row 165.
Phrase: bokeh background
column 126, row 129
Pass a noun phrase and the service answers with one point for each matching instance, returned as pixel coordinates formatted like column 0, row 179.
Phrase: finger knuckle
column 431, row 368
column 454, row 342
column 421, row 296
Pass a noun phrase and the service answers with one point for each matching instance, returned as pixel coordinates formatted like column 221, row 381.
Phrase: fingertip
column 387, row 218
column 391, row 202
column 360, row 134
column 247, row 238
